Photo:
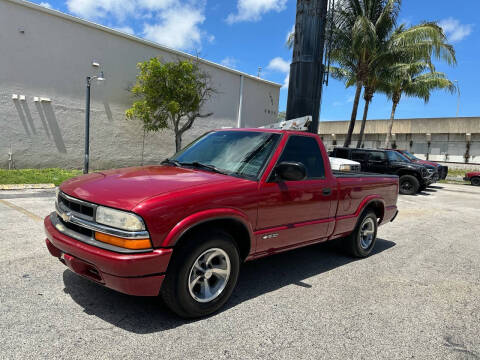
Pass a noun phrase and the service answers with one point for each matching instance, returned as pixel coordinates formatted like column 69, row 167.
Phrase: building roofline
column 408, row 119
column 136, row 38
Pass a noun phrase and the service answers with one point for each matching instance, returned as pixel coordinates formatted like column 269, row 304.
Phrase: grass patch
column 458, row 172
column 37, row 176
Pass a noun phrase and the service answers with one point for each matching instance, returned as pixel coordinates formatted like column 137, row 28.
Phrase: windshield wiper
column 204, row 166
column 171, row 162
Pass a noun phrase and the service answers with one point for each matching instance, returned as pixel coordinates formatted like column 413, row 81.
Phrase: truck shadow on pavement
column 144, row 315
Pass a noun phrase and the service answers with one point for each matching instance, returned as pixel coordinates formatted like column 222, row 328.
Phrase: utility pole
column 87, row 127
column 99, row 77
column 307, row 70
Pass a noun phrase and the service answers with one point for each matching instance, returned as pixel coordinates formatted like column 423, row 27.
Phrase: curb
column 26, row 186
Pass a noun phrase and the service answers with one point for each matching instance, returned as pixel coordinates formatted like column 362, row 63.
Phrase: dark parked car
column 413, row 177
column 442, row 170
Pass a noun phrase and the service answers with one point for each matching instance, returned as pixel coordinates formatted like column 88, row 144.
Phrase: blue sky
column 248, row 34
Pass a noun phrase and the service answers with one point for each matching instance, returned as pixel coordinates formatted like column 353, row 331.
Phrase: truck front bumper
column 139, row 274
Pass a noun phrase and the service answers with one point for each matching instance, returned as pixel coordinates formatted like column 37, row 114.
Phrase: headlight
column 119, row 219
column 345, row 167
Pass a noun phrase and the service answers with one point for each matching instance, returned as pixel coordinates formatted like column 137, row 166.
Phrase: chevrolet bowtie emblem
column 66, row 217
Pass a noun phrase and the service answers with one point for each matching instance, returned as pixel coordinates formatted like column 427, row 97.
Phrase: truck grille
column 76, row 228
column 69, row 204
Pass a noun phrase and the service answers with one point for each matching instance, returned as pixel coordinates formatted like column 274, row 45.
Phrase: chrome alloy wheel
column 367, row 233
column 209, row 275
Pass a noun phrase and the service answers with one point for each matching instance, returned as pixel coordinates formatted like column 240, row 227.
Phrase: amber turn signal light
column 132, row 244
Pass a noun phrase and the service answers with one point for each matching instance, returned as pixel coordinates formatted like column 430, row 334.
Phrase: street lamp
column 99, row 77
column 458, row 99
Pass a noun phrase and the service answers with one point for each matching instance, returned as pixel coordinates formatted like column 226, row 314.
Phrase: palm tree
column 360, row 28
column 416, row 79
column 419, row 42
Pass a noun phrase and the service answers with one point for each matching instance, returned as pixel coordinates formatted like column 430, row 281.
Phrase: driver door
column 294, row 212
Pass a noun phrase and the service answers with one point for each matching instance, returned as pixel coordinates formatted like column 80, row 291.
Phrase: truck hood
column 125, row 188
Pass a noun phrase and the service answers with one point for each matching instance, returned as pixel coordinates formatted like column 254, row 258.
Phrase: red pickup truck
column 182, row 229
column 473, row 177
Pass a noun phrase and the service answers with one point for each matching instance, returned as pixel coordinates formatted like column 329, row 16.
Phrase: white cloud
column 454, row 30
column 230, row 62
column 279, row 64
column 94, row 9
column 252, row 10
column 156, row 4
column 286, row 81
column 178, row 28
column 171, row 23
column 125, row 29
column 46, row 4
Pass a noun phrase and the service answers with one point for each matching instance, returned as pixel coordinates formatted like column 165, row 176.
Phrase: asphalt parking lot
column 417, row 296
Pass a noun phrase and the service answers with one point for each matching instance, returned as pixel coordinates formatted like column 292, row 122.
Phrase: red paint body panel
column 125, row 188
column 278, row 216
column 472, row 174
column 124, row 265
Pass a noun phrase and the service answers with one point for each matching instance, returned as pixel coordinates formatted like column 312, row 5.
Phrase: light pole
column 99, row 77
column 307, row 70
column 458, row 98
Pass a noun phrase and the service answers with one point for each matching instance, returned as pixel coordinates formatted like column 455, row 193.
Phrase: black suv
column 413, row 177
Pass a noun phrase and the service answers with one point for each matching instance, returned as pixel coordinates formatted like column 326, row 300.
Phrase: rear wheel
column 362, row 240
column 475, row 181
column 202, row 274
column 409, row 185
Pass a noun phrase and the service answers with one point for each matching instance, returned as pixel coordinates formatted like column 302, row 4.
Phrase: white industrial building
column 44, row 59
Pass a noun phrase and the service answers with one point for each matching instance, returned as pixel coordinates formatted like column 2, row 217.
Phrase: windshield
column 409, row 155
column 240, row 153
column 396, row 156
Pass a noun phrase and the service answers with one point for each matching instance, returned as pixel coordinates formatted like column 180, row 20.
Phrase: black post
column 87, row 127
column 306, row 70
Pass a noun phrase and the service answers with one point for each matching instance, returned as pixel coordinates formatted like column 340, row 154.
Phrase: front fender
column 204, row 216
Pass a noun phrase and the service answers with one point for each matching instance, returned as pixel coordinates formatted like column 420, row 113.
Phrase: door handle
column 326, row 191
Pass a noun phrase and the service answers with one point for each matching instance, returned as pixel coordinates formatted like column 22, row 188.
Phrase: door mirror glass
column 290, row 171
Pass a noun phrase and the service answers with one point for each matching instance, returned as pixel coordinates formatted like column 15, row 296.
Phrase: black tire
column 475, row 181
column 409, row 185
column 175, row 288
column 353, row 243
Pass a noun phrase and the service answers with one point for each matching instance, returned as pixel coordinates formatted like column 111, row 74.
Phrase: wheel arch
column 415, row 174
column 231, row 221
column 374, row 203
column 475, row 177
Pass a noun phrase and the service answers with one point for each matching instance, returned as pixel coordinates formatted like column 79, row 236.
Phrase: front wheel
column 409, row 185
column 475, row 181
column 202, row 274
column 361, row 241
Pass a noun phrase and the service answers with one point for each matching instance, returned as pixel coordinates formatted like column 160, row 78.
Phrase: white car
column 344, row 164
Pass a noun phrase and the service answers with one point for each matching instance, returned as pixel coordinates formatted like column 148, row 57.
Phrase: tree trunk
column 364, row 122
column 390, row 126
column 348, row 139
column 178, row 142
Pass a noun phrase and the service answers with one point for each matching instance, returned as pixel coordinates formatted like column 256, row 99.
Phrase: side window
column 377, row 156
column 341, row 153
column 360, row 156
column 305, row 150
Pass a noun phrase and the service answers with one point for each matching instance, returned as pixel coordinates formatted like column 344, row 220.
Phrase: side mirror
column 290, row 171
